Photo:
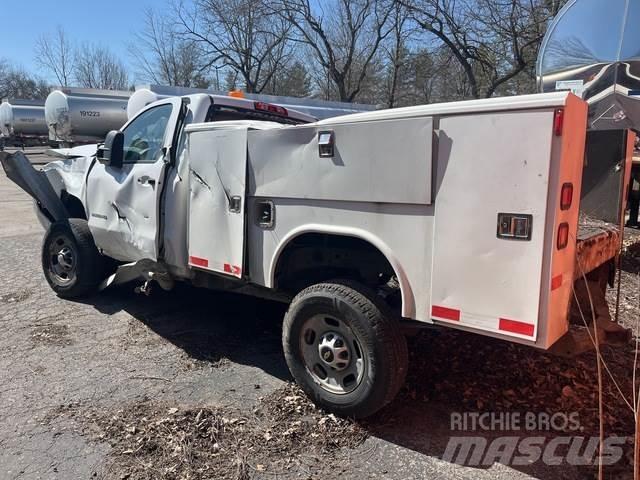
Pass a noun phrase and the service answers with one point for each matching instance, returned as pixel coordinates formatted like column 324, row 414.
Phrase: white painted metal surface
column 508, row 172
column 217, row 176
column 123, row 203
column 381, row 162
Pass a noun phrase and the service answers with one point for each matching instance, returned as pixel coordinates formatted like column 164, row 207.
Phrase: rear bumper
column 596, row 245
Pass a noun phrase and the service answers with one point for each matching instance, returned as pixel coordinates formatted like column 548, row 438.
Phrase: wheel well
column 73, row 205
column 315, row 257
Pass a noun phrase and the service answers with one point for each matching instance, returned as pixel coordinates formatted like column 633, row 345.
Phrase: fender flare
column 408, row 300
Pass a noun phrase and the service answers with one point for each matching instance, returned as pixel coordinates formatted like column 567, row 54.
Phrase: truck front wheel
column 71, row 262
column 344, row 348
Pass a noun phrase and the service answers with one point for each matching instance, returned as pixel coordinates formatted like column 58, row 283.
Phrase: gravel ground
column 129, row 386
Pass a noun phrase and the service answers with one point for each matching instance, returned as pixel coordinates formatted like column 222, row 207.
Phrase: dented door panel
column 124, row 203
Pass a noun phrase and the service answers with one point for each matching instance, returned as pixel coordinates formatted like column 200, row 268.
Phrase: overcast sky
column 110, row 23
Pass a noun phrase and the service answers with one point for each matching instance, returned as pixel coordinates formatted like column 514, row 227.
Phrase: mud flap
column 20, row 171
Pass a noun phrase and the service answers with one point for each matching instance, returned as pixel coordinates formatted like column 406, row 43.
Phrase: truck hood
column 75, row 152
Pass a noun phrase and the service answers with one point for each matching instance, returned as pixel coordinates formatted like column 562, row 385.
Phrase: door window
column 144, row 137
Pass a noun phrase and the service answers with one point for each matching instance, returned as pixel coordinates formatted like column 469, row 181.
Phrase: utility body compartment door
column 217, row 175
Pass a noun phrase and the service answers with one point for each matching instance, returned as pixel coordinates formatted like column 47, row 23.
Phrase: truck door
column 218, row 170
column 124, row 203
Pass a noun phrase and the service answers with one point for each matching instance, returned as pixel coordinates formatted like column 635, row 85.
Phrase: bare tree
column 17, row 83
column 397, row 57
column 292, row 80
column 164, row 57
column 96, row 67
column 54, row 54
column 245, row 36
column 344, row 36
column 494, row 41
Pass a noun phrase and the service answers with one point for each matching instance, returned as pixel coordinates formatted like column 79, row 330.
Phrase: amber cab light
column 563, row 236
column 566, row 196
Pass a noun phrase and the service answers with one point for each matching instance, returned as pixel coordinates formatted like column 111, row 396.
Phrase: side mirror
column 111, row 152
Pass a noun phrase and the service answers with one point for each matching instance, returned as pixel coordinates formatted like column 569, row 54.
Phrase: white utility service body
column 423, row 185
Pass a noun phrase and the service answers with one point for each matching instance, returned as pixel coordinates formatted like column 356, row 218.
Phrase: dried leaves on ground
column 284, row 433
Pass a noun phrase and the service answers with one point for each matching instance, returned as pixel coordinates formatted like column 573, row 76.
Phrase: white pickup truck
column 464, row 215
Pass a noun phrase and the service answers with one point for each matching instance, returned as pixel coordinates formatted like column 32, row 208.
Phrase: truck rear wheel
column 344, row 348
column 71, row 262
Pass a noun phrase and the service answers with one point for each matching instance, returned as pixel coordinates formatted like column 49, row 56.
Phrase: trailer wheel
column 344, row 348
column 71, row 262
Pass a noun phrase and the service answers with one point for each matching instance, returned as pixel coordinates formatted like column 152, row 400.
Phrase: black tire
column 378, row 339
column 80, row 273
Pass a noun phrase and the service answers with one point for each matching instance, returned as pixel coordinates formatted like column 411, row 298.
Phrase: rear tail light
column 558, row 122
column 566, row 196
column 563, row 236
column 269, row 107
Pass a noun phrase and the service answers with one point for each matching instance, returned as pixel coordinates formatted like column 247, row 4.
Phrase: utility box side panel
column 380, row 162
column 493, row 169
column 217, row 177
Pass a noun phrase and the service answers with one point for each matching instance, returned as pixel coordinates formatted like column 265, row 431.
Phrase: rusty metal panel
column 596, row 245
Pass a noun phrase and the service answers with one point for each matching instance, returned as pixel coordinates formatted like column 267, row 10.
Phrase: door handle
column 146, row 180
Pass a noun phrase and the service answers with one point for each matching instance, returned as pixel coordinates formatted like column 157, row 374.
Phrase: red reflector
column 200, row 262
column 556, row 282
column 558, row 122
column 516, row 327
column 268, row 107
column 563, row 235
column 444, row 312
column 232, row 269
column 566, row 196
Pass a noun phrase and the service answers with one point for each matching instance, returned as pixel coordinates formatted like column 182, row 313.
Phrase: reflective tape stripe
column 514, row 326
column 199, row 262
column 444, row 312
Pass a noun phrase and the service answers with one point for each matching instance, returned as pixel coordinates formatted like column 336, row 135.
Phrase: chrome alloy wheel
column 332, row 354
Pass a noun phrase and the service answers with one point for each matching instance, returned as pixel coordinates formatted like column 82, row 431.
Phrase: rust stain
column 596, row 250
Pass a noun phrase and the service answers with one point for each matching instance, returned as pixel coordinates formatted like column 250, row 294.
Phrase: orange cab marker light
column 236, row 94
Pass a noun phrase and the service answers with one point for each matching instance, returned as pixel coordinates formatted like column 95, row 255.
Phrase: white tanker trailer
column 79, row 115
column 22, row 119
column 320, row 109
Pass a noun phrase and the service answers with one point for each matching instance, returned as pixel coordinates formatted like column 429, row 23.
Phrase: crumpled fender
column 20, row 171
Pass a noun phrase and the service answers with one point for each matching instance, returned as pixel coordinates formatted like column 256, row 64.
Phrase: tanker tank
column 22, row 118
column 78, row 115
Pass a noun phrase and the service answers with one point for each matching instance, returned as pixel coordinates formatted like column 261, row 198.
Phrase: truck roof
column 268, row 108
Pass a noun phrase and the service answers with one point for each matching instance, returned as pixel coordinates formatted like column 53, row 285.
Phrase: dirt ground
column 192, row 384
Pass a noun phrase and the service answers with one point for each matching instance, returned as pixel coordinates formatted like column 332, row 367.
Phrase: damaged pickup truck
column 463, row 215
